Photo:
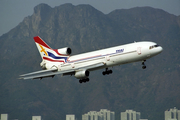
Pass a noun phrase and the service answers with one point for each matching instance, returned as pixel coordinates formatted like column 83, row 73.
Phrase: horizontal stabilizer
column 42, row 71
column 38, row 74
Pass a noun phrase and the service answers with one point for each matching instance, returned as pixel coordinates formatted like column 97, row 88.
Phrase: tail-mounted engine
column 64, row 51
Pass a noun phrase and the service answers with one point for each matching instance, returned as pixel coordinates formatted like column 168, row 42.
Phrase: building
column 103, row 114
column 70, row 117
column 172, row 114
column 130, row 115
column 4, row 116
column 36, row 117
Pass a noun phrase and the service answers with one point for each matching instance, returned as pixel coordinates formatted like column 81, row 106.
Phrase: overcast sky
column 12, row 12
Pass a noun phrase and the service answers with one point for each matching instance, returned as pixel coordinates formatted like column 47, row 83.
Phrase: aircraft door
column 107, row 58
column 139, row 50
column 72, row 65
column 59, row 67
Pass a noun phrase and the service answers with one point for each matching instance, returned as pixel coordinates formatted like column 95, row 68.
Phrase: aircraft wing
column 52, row 72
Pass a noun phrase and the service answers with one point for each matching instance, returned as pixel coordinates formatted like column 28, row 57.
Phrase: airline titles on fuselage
column 120, row 51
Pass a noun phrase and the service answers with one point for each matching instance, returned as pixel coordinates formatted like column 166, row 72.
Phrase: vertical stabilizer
column 42, row 46
column 51, row 55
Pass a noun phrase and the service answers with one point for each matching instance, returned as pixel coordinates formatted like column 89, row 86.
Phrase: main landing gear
column 84, row 80
column 144, row 66
column 107, row 72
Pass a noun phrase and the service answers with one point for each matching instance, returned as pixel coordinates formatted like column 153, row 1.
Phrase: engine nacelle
column 81, row 74
column 64, row 51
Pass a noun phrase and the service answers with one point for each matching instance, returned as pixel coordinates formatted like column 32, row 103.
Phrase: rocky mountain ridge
column 84, row 28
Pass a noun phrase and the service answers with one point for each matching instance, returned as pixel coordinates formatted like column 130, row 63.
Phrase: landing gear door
column 139, row 50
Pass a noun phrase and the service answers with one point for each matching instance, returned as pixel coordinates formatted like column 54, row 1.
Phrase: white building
column 130, row 115
column 103, row 114
column 172, row 114
column 4, row 116
column 36, row 117
column 70, row 117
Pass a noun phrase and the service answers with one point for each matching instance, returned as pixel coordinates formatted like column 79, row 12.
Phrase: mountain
column 84, row 28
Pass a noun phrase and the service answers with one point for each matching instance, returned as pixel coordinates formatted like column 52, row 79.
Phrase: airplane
column 59, row 61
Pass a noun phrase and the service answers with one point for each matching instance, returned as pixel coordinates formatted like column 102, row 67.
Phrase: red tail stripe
column 45, row 58
column 38, row 40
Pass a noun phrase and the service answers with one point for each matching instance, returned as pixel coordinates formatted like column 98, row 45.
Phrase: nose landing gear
column 107, row 72
column 144, row 66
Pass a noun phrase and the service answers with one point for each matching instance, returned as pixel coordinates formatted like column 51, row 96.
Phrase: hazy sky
column 12, row 12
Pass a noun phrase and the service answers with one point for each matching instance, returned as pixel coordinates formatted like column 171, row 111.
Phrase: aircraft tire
column 87, row 79
column 104, row 73
column 80, row 81
column 144, row 67
column 84, row 80
column 107, row 72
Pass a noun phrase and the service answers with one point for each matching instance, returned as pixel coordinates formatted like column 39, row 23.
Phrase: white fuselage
column 113, row 56
column 58, row 61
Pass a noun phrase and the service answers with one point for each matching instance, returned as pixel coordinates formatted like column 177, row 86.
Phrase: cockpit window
column 154, row 46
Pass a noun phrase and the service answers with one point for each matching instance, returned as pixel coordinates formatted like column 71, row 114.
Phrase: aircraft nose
column 160, row 49
column 155, row 51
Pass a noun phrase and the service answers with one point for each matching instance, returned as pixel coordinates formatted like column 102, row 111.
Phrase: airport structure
column 70, row 117
column 103, row 114
column 4, row 116
column 130, row 115
column 172, row 114
column 36, row 117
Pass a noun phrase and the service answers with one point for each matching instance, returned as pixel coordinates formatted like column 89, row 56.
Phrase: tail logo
column 43, row 50
column 50, row 56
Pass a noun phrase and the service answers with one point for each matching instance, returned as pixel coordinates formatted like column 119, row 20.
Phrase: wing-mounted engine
column 64, row 51
column 81, row 74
